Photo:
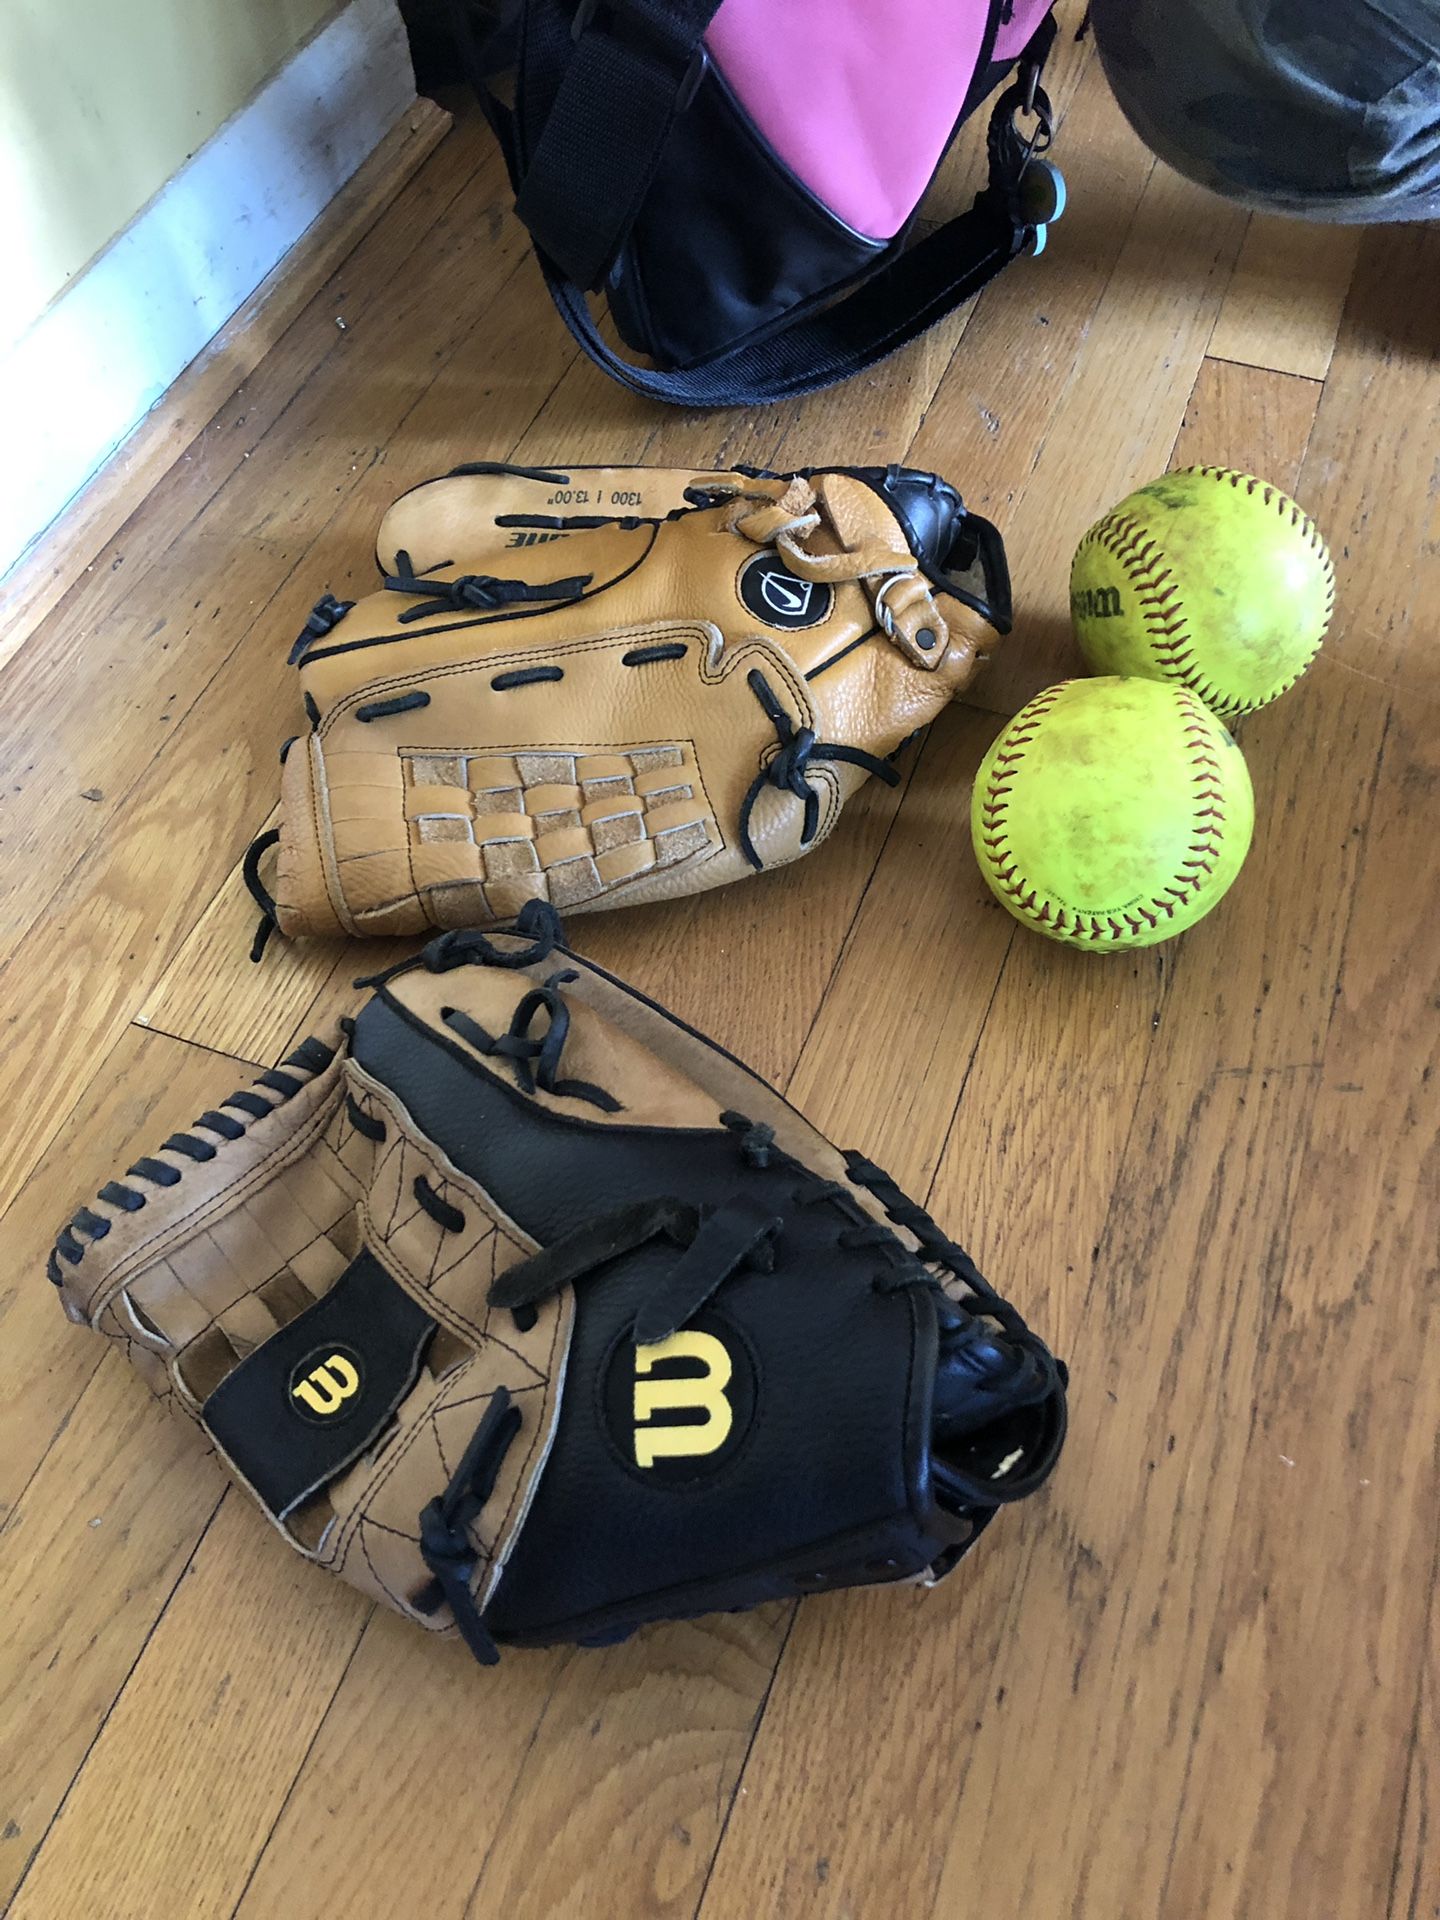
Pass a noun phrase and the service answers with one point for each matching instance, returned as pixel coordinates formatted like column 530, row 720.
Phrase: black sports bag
column 740, row 178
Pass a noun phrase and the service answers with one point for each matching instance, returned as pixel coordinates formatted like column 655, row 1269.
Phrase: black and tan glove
column 532, row 1313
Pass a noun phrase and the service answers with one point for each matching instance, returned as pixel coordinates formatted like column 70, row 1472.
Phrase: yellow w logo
column 326, row 1388
column 703, row 1395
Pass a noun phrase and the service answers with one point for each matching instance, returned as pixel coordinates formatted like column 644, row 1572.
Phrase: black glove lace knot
column 788, row 769
column 535, row 1059
column 756, row 1139
column 479, row 592
column 538, row 923
column 325, row 616
column 446, row 1545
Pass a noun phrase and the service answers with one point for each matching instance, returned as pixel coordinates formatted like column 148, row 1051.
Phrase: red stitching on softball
column 1155, row 586
column 1204, row 848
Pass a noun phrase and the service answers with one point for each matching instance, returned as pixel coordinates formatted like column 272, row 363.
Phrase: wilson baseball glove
column 615, row 685
column 533, row 1314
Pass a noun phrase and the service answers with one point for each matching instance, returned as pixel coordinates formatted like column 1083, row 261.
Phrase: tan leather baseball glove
column 533, row 1314
column 615, row 685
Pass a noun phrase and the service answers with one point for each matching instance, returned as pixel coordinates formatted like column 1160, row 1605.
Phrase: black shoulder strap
column 917, row 289
column 633, row 66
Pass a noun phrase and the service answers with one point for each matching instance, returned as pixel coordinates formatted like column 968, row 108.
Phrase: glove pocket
column 353, row 1426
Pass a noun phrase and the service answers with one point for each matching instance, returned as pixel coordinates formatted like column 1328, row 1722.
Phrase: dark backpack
column 740, row 178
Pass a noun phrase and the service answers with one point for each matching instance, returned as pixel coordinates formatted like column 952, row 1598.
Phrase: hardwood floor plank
column 884, row 1061
column 1282, row 307
column 318, row 1858
column 76, row 980
column 1412, row 1895
column 692, row 1690
column 143, row 1090
column 1211, row 1171
column 191, row 1767
column 660, row 1730
column 1027, row 1197
column 1083, row 443
column 918, row 1673
column 1040, row 419
column 103, row 1495
column 114, row 670
column 1246, row 417
column 1090, row 1071
column 213, row 992
column 1372, row 473
column 991, row 414
column 1085, row 438
column 1100, row 1583
column 1326, row 1592
column 88, row 1560
column 124, row 911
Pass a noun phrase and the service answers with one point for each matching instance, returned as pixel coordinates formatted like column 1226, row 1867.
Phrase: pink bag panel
column 859, row 97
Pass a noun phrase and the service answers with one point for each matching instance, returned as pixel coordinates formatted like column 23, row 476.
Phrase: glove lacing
column 536, row 1062
column 482, row 592
column 788, row 769
column 785, row 515
column 446, row 1544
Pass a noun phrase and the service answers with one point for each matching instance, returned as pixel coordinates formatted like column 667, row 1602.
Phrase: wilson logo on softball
column 700, row 1396
column 1095, row 603
column 320, row 1387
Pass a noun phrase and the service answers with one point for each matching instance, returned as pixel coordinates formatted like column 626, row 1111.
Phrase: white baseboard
column 94, row 363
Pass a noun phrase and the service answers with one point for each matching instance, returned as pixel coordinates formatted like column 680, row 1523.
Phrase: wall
column 149, row 186
column 101, row 101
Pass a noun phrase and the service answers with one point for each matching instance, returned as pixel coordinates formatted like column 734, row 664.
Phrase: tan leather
column 211, row 1267
column 622, row 775
column 462, row 511
column 663, row 1074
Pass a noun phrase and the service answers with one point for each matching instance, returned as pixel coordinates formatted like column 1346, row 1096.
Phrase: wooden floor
column 1198, row 1676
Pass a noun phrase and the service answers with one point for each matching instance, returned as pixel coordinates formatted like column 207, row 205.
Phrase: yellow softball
column 1212, row 579
column 1112, row 813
